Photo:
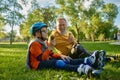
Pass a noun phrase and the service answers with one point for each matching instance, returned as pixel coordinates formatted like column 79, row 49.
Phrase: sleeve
column 55, row 55
column 46, row 54
column 35, row 49
column 52, row 54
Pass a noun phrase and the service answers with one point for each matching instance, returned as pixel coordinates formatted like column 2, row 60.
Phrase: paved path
column 115, row 43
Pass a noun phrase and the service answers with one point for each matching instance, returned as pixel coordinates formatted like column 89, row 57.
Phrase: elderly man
column 65, row 41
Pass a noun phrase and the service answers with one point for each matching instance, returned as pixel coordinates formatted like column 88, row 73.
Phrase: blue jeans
column 72, row 65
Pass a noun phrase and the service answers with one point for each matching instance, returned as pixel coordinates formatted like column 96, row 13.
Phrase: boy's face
column 43, row 32
column 61, row 26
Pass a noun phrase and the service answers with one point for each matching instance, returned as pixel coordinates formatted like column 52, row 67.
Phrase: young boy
column 40, row 55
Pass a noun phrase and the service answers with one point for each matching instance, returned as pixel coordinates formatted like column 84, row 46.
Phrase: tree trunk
column 11, row 36
column 78, row 37
column 12, row 25
column 93, row 37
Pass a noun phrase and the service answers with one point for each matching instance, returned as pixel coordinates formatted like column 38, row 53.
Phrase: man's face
column 61, row 26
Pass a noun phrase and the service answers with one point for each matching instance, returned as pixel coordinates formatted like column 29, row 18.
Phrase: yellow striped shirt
column 63, row 44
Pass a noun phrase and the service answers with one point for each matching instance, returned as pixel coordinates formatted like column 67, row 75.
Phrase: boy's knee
column 60, row 63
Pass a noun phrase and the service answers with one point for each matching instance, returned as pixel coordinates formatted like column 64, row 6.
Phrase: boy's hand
column 65, row 58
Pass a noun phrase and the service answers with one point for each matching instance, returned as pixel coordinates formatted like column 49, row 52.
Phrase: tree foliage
column 93, row 20
column 2, row 34
column 45, row 15
column 34, row 16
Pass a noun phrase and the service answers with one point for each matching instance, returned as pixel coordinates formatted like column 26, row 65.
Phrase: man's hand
column 70, row 38
column 51, row 41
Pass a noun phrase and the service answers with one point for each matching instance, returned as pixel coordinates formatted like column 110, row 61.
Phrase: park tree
column 37, row 13
column 79, row 16
column 89, row 19
column 45, row 15
column 92, row 19
column 10, row 10
column 1, row 22
column 49, row 16
column 32, row 17
column 48, row 12
column 72, row 9
column 2, row 34
column 109, row 11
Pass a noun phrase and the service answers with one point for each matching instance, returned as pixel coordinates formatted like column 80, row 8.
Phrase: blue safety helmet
column 36, row 26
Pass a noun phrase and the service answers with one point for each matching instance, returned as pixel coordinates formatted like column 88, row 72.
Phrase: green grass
column 13, row 58
column 110, row 49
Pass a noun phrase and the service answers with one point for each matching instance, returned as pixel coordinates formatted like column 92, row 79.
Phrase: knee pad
column 60, row 63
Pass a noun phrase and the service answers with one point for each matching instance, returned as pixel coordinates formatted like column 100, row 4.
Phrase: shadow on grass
column 13, row 46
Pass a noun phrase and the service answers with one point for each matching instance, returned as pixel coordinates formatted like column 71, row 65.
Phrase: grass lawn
column 13, row 58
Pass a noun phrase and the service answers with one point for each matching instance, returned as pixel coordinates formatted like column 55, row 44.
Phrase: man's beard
column 62, row 32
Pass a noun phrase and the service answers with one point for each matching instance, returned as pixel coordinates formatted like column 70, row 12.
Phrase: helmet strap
column 41, row 37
